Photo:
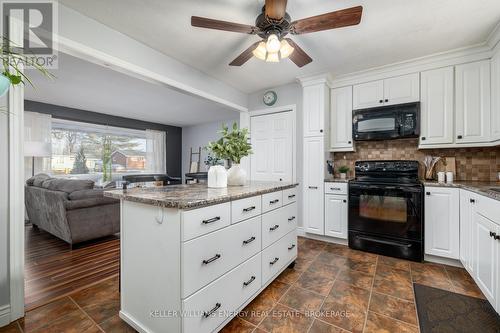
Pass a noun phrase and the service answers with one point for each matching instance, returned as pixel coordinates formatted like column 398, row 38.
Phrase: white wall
column 289, row 94
column 199, row 136
column 4, row 237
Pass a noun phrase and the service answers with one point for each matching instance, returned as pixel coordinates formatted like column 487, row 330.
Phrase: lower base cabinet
column 336, row 216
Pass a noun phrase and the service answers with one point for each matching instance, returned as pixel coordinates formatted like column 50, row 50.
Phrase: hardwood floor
column 53, row 270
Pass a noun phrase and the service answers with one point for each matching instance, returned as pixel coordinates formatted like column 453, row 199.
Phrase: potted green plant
column 343, row 170
column 12, row 73
column 233, row 145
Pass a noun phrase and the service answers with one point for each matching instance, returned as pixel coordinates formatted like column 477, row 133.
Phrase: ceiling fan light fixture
column 260, row 51
column 273, row 44
column 286, row 49
column 272, row 57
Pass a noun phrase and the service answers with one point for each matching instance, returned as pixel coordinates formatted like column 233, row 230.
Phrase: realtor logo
column 38, row 20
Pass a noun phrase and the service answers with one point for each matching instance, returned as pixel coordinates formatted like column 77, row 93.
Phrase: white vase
column 343, row 175
column 236, row 176
column 217, row 176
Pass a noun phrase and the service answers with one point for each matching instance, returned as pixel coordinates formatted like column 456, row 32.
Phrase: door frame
column 279, row 109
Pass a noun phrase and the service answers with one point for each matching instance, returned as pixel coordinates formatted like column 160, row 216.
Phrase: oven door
column 388, row 210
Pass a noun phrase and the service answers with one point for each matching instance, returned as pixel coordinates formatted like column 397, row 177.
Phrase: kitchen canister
column 441, row 177
column 449, row 177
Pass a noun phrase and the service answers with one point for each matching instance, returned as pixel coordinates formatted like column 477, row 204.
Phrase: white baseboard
column 444, row 261
column 302, row 233
column 4, row 315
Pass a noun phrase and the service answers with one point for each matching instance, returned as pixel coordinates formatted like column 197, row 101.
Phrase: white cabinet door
column 341, row 119
column 495, row 96
column 467, row 201
column 486, row 250
column 436, row 106
column 313, row 220
column 336, row 216
column 272, row 145
column 368, row 95
column 473, row 112
column 315, row 106
column 442, row 222
column 402, row 89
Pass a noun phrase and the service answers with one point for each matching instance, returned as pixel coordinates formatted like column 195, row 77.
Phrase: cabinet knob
column 381, row 101
column 349, row 142
column 427, row 193
column 386, row 100
column 496, row 237
column 422, row 138
column 459, row 136
column 493, row 234
column 472, row 201
column 321, row 131
column 344, row 200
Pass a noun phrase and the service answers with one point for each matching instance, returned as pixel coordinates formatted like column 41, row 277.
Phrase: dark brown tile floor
column 331, row 289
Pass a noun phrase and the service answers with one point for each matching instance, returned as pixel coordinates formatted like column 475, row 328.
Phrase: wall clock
column 270, row 97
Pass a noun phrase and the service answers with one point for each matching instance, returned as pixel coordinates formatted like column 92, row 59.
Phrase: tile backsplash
column 473, row 164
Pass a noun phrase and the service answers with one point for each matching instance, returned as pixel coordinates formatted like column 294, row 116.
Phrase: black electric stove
column 386, row 208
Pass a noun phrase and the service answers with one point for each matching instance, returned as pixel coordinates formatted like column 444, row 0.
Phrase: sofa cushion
column 37, row 180
column 67, row 185
column 86, row 194
column 89, row 202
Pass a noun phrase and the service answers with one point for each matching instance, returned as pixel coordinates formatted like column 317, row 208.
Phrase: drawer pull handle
column 291, row 219
column 274, row 261
column 291, row 247
column 272, row 202
column 493, row 234
column 291, row 196
column 208, row 261
column 249, row 209
column 313, row 187
column 249, row 281
column 248, row 241
column 212, row 220
column 335, row 188
column 211, row 312
column 276, row 226
column 472, row 200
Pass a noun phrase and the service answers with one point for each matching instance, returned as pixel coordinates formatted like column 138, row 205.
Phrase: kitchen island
column 192, row 257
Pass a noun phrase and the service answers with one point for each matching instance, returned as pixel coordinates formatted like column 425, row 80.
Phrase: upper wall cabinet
column 495, row 96
column 402, row 89
column 473, row 111
column 436, row 106
column 315, row 109
column 396, row 90
column 341, row 119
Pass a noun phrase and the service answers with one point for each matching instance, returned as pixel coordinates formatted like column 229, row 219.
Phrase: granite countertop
column 483, row 188
column 195, row 195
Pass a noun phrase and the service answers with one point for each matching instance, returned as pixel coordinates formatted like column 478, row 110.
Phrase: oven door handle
column 376, row 240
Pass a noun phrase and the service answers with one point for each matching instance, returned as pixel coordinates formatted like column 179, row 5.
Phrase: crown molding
column 310, row 80
column 494, row 37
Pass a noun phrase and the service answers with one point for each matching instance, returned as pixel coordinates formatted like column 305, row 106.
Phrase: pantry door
column 272, row 145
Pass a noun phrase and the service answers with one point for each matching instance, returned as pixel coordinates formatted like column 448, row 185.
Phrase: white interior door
column 272, row 145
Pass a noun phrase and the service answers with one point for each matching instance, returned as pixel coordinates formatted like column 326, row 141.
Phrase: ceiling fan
column 274, row 24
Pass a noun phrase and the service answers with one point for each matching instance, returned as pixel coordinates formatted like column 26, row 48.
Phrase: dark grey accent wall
column 174, row 133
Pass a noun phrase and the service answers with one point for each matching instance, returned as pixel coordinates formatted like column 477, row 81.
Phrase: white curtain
column 156, row 151
column 37, row 142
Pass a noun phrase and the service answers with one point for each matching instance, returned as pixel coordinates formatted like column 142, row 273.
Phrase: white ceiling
column 390, row 31
column 84, row 85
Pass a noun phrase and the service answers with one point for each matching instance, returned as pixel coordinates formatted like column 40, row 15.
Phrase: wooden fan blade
column 275, row 9
column 338, row 19
column 204, row 22
column 244, row 56
column 298, row 56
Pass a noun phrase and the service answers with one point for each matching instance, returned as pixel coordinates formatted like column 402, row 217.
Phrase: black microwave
column 387, row 122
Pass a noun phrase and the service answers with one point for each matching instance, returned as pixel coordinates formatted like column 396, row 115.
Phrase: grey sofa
column 70, row 209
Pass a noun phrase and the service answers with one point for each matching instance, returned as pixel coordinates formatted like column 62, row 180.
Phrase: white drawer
column 245, row 208
column 272, row 201
column 289, row 195
column 336, row 188
column 276, row 256
column 226, row 295
column 201, row 221
column 277, row 223
column 206, row 258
